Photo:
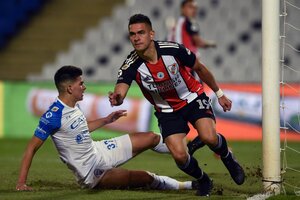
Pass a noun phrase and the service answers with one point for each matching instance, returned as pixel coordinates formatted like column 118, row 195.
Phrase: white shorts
column 111, row 153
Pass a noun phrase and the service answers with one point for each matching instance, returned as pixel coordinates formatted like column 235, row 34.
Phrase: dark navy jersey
column 167, row 84
column 191, row 26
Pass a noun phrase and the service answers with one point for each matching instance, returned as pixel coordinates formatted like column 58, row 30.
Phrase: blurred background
column 39, row 36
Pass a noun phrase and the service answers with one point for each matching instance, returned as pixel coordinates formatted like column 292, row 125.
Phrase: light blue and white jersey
column 69, row 131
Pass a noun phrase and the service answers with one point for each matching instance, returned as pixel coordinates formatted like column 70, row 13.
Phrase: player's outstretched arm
column 208, row 78
column 98, row 123
column 116, row 98
column 201, row 43
column 34, row 144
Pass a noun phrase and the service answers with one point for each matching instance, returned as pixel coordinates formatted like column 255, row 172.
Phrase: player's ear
column 152, row 34
column 69, row 89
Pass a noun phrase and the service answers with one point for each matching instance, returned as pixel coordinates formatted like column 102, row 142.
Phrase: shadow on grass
column 46, row 185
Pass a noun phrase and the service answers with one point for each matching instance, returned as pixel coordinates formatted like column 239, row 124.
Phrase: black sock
column 191, row 168
column 221, row 148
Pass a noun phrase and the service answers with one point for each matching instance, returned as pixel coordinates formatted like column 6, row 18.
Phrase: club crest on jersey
column 160, row 75
column 173, row 69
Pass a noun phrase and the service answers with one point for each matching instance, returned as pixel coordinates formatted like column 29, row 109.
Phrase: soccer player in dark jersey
column 159, row 68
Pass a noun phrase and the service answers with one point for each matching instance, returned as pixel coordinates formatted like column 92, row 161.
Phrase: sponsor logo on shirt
column 176, row 80
column 79, row 139
column 165, row 86
column 81, row 136
column 147, row 79
column 44, row 120
column 48, row 115
column 77, row 122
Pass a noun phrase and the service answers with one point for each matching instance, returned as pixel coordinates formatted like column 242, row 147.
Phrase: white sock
column 186, row 185
column 161, row 147
column 167, row 183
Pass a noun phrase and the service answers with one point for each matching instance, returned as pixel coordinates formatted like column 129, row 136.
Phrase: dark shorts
column 177, row 122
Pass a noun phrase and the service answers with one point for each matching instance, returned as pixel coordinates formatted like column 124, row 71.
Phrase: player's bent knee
column 156, row 138
column 153, row 138
column 180, row 157
column 210, row 140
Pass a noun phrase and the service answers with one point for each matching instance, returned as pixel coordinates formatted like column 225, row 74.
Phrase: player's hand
column 115, row 99
column 116, row 115
column 23, row 187
column 225, row 103
column 211, row 44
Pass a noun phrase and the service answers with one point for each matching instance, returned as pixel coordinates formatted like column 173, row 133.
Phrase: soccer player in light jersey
column 94, row 163
column 159, row 68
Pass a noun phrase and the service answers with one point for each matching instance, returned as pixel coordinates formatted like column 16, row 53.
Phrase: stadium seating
column 48, row 33
column 234, row 24
column 13, row 14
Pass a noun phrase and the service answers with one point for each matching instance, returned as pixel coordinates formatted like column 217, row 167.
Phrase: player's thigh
column 177, row 146
column 116, row 151
column 172, row 123
column 201, row 115
column 206, row 128
column 142, row 141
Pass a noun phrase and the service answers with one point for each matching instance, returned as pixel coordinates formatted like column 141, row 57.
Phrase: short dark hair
column 64, row 74
column 185, row 2
column 139, row 18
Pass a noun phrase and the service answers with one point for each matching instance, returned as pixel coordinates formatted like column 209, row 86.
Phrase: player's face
column 140, row 36
column 190, row 9
column 78, row 88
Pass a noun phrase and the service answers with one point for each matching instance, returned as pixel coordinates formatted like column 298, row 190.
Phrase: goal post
column 271, row 96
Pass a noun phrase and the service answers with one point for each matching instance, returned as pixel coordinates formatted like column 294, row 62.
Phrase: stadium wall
column 22, row 103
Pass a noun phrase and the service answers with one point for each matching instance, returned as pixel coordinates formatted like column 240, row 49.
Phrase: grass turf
column 51, row 179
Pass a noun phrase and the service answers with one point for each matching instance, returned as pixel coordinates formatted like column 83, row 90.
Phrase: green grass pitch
column 51, row 179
